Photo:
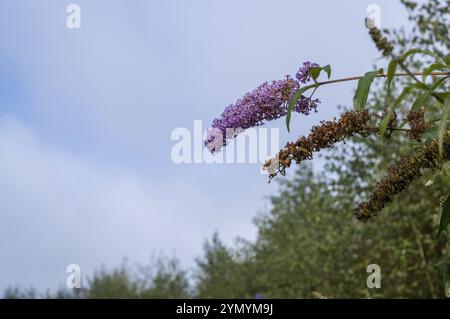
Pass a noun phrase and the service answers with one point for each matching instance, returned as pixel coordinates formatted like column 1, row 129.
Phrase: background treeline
column 309, row 245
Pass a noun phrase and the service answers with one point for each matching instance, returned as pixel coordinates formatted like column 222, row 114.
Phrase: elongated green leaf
column 293, row 101
column 443, row 123
column 417, row 50
column 437, row 95
column 420, row 101
column 392, row 67
column 431, row 68
column 408, row 53
column 447, row 60
column 430, row 134
column 421, row 86
column 445, row 217
column 439, row 82
column 440, row 96
column 315, row 72
column 424, row 87
column 327, row 69
column 445, row 170
column 384, row 123
column 362, row 91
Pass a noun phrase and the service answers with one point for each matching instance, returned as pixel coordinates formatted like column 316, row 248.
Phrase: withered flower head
column 323, row 136
column 381, row 42
column 400, row 177
column 417, row 125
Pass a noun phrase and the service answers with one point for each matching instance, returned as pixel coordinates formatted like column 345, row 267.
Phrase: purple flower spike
column 304, row 73
column 266, row 103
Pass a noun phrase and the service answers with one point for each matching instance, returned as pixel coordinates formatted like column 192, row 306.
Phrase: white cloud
column 57, row 208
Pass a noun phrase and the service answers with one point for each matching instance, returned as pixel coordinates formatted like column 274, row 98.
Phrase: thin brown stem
column 391, row 128
column 412, row 75
column 354, row 78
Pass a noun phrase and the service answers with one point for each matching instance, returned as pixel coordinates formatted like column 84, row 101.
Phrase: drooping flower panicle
column 265, row 103
column 417, row 124
column 399, row 177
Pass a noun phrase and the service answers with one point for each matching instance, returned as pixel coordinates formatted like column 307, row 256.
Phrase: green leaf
column 421, row 86
column 315, row 72
column 439, row 82
column 362, row 91
column 417, row 50
column 384, row 123
column 443, row 123
column 327, row 69
column 431, row 68
column 447, row 60
column 445, row 217
column 416, row 106
column 420, row 101
column 440, row 95
column 445, row 170
column 293, row 101
column 424, row 87
column 430, row 134
column 392, row 67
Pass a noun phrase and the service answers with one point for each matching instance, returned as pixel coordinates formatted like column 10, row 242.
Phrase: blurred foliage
column 224, row 272
column 163, row 277
column 309, row 245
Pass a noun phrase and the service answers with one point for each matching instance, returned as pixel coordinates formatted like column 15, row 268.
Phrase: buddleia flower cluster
column 417, row 124
column 265, row 103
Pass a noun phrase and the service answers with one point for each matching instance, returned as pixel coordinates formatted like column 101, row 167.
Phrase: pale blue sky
column 86, row 116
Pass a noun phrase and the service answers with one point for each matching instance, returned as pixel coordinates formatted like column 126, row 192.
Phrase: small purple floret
column 304, row 73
